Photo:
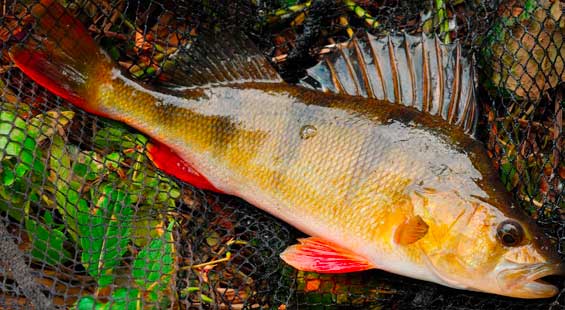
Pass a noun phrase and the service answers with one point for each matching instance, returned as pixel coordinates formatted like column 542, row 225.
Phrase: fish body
column 376, row 184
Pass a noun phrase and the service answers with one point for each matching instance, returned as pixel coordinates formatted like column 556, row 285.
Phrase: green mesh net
column 88, row 222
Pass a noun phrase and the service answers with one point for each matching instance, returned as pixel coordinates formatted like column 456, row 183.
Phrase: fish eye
column 510, row 233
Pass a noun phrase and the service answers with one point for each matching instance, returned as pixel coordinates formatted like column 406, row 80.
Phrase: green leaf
column 117, row 136
column 114, row 52
column 11, row 100
column 34, row 197
column 8, row 177
column 30, row 158
column 88, row 303
column 113, row 160
column 160, row 191
column 206, row 299
column 105, row 234
column 8, row 120
column 530, row 5
column 47, row 243
column 60, row 161
column 121, row 299
column 89, row 165
column 146, row 226
column 46, row 125
column 14, row 200
column 48, row 219
column 67, row 192
column 125, row 298
column 13, row 134
column 155, row 262
column 507, row 173
column 80, row 169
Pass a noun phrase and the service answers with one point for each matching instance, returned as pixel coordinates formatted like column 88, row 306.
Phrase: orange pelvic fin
column 411, row 231
column 170, row 163
column 318, row 255
column 64, row 59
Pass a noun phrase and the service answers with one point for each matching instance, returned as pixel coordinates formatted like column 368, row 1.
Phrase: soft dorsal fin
column 225, row 57
column 419, row 72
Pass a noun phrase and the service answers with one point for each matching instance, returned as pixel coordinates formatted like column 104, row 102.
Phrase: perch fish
column 379, row 169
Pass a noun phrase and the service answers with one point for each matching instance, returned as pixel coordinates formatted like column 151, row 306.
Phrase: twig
column 325, row 50
column 533, row 201
column 116, row 14
column 16, row 300
column 108, row 34
column 68, row 276
column 370, row 21
column 558, row 126
column 231, row 295
column 525, row 122
column 213, row 262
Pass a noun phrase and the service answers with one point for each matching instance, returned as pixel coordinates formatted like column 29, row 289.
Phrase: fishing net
column 88, row 222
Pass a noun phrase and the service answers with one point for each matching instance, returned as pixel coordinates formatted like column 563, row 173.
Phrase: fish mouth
column 526, row 282
column 540, row 289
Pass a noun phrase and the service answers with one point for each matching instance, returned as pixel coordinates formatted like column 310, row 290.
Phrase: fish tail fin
column 415, row 71
column 66, row 56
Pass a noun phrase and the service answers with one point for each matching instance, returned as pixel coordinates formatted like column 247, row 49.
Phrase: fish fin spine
column 415, row 71
column 318, row 255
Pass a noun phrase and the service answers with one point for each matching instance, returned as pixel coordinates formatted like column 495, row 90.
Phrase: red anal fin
column 318, row 255
column 169, row 162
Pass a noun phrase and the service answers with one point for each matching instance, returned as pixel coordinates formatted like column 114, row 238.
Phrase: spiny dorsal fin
column 419, row 72
column 219, row 58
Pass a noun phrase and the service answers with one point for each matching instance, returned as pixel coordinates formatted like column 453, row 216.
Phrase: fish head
column 489, row 249
column 519, row 272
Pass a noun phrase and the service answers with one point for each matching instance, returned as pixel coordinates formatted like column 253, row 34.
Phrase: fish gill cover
column 88, row 222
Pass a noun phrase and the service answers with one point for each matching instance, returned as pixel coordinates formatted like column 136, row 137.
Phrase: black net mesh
column 88, row 222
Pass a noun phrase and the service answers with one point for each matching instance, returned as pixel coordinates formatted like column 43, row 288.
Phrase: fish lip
column 531, row 282
column 540, row 289
column 543, row 270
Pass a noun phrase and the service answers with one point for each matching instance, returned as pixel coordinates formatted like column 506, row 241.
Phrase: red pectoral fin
column 170, row 163
column 318, row 255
